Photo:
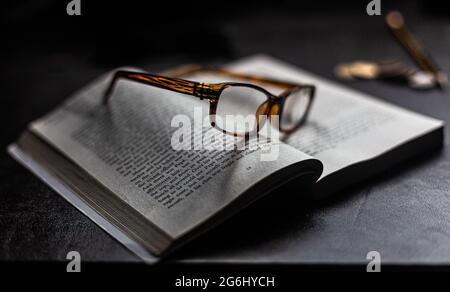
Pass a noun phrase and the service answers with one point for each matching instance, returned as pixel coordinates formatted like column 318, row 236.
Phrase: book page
column 126, row 146
column 345, row 127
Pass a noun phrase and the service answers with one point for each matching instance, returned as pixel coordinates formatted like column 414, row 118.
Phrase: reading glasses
column 238, row 109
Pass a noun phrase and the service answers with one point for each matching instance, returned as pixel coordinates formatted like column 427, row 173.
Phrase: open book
column 117, row 166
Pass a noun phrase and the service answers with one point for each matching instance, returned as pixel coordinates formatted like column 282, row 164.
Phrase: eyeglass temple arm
column 201, row 90
column 191, row 69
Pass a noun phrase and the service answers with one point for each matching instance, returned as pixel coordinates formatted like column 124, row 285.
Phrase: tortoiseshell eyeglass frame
column 272, row 107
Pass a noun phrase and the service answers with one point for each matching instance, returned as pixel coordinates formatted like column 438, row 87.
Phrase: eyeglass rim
column 304, row 118
column 271, row 98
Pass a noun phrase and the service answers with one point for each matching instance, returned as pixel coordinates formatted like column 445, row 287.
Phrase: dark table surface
column 404, row 213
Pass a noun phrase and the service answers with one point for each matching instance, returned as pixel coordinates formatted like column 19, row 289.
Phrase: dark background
column 47, row 55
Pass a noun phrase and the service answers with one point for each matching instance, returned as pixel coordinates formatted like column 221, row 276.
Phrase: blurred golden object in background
column 396, row 23
column 387, row 70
